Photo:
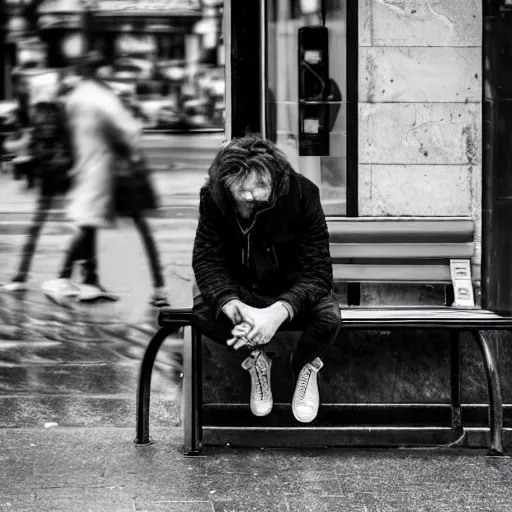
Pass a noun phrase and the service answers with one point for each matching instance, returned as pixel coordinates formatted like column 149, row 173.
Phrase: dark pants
column 320, row 327
column 150, row 246
column 83, row 247
column 44, row 203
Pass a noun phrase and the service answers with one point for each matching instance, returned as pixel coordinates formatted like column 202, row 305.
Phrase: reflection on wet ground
column 80, row 354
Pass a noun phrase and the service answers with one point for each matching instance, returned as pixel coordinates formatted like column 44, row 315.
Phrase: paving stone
column 251, row 504
column 87, row 411
column 19, row 502
column 79, row 499
column 75, row 378
column 174, row 506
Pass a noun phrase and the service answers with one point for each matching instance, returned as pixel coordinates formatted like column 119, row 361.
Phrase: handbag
column 50, row 146
column 134, row 191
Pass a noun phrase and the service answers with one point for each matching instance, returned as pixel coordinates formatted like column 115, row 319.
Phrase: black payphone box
column 313, row 91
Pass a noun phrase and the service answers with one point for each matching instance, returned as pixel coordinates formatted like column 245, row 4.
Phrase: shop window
column 172, row 79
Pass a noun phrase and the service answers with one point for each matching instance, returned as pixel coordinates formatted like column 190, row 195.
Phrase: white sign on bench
column 462, row 284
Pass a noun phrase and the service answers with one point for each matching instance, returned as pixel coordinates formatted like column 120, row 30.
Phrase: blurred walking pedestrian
column 106, row 142
column 50, row 156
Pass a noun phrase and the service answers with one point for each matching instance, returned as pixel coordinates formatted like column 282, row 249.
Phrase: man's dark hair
column 239, row 157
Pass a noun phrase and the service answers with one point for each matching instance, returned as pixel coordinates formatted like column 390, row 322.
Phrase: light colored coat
column 96, row 116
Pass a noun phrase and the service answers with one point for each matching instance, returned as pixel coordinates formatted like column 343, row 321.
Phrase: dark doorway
column 497, row 157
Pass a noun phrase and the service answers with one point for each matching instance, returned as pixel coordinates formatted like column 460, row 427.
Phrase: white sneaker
column 306, row 399
column 258, row 365
column 90, row 292
column 60, row 290
column 14, row 286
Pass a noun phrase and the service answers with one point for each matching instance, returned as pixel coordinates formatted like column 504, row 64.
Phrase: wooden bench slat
column 401, row 250
column 354, row 272
column 373, row 229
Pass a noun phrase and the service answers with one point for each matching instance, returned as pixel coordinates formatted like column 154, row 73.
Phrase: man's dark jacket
column 282, row 255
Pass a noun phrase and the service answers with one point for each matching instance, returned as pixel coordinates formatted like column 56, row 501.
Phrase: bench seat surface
column 388, row 316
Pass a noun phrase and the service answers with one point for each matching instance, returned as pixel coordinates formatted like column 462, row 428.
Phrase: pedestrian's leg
column 75, row 252
column 32, row 236
column 91, row 288
column 151, row 250
column 322, row 325
column 159, row 296
column 90, row 266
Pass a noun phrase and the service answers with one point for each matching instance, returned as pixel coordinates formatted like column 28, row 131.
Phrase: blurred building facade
column 165, row 58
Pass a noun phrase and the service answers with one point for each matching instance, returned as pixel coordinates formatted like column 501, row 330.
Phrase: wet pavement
column 95, row 469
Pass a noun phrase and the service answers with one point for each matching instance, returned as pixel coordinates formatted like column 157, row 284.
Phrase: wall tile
column 420, row 74
column 423, row 190
column 427, row 22
column 420, row 133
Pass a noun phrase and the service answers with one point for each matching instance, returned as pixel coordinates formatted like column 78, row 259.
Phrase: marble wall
column 420, row 87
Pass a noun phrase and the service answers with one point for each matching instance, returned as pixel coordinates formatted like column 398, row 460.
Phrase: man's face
column 251, row 191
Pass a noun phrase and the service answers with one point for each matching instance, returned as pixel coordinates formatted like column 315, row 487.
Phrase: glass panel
column 286, row 17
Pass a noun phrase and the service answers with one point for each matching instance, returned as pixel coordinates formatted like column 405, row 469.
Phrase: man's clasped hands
column 253, row 326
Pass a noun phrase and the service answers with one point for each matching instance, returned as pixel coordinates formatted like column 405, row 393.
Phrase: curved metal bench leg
column 456, row 416
column 144, row 387
column 494, row 390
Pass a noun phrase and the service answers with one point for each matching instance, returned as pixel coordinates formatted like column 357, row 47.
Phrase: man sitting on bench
column 261, row 261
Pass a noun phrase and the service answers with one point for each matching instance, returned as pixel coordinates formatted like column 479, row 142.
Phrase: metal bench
column 363, row 250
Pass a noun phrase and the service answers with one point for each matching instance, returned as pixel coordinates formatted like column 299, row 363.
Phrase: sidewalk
column 100, row 470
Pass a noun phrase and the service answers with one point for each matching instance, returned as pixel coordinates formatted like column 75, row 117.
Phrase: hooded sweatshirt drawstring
column 246, row 252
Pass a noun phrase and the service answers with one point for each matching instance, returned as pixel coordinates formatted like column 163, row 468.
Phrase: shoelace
column 303, row 383
column 261, row 384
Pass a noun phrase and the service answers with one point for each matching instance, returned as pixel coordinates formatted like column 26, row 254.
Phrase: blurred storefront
column 164, row 58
